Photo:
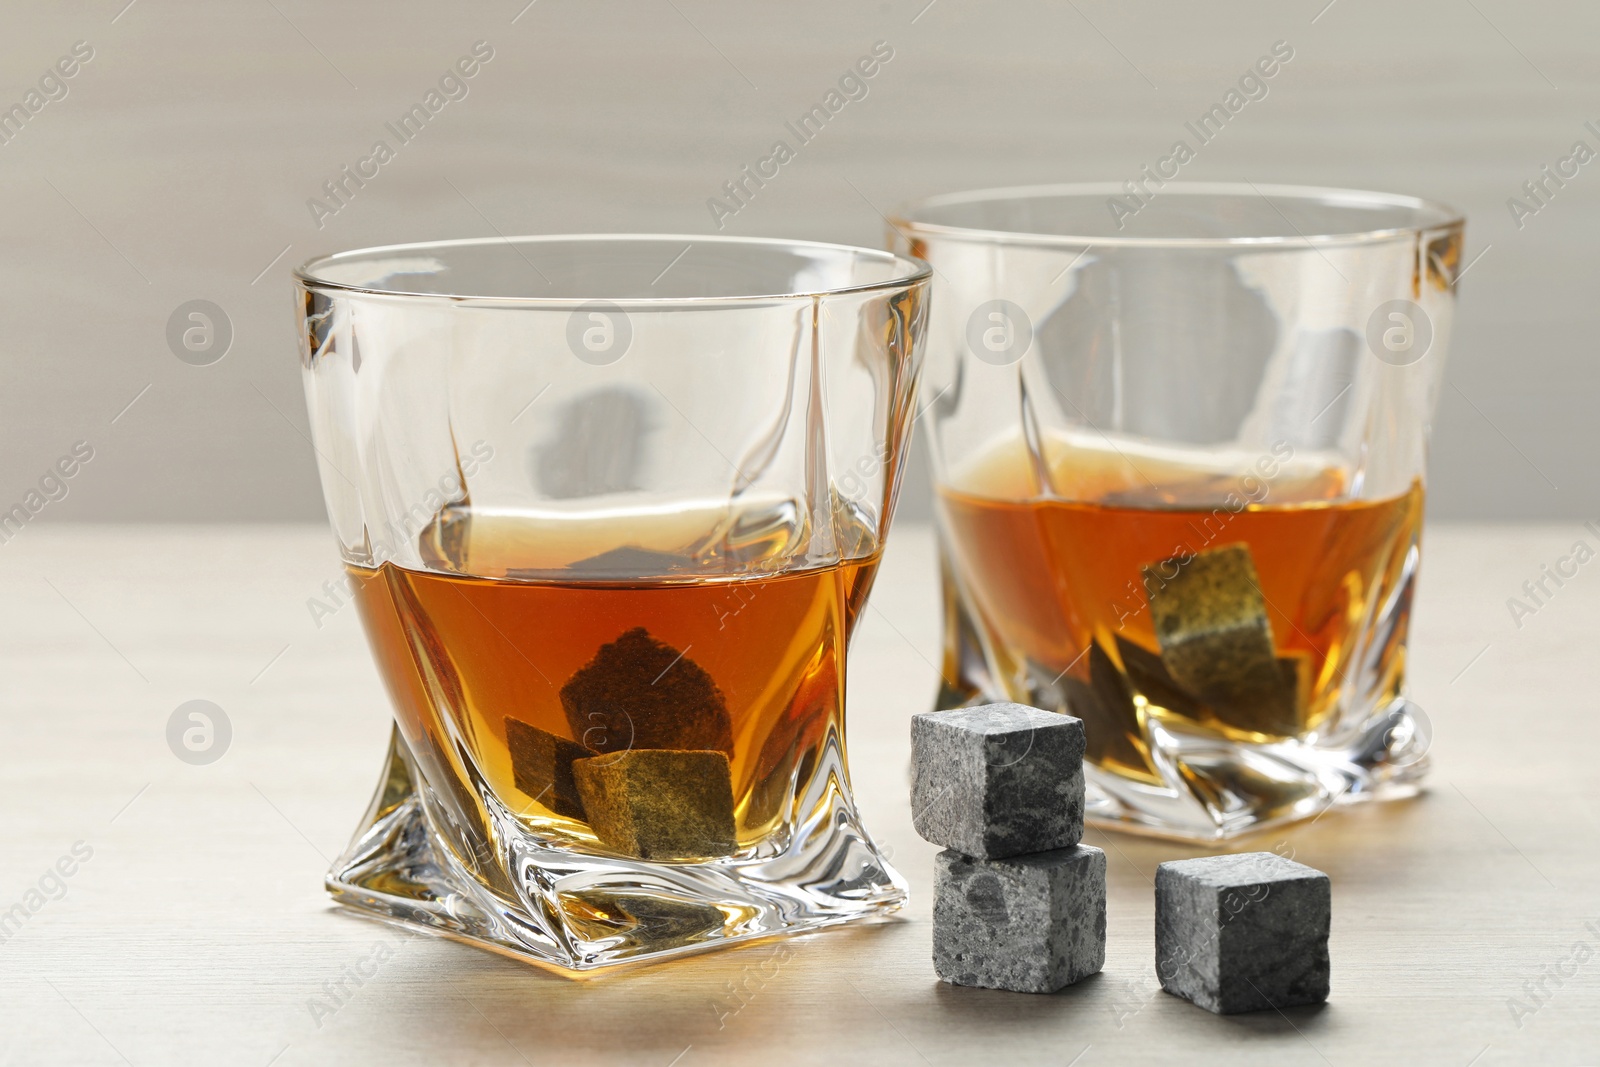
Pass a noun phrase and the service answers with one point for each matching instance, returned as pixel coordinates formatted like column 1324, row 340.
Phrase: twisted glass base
column 580, row 912
column 1213, row 789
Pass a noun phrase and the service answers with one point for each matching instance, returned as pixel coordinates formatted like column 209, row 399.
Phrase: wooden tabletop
column 156, row 911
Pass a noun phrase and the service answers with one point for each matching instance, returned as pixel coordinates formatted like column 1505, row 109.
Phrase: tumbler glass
column 1179, row 444
column 611, row 506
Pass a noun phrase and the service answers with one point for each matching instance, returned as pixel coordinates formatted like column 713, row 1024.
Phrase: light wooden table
column 196, row 931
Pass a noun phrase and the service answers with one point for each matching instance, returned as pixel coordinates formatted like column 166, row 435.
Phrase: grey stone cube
column 1243, row 932
column 1030, row 924
column 997, row 780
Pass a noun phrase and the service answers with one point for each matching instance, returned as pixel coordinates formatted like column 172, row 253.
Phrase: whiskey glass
column 1179, row 436
column 611, row 507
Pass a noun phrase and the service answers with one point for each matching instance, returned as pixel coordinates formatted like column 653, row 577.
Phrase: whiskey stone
column 1151, row 680
column 1297, row 677
column 1243, row 932
column 1110, row 719
column 997, row 780
column 1211, row 622
column 659, row 804
column 1030, row 924
column 541, row 766
column 638, row 692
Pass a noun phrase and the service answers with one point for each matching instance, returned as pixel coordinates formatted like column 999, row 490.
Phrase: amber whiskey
column 630, row 679
column 1249, row 596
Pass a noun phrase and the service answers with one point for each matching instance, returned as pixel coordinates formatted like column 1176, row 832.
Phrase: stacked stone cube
column 1019, row 902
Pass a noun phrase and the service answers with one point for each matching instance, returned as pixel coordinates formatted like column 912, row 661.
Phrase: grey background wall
column 179, row 164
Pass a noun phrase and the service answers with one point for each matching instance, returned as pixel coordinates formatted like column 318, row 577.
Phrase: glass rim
column 909, row 270
column 1443, row 217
